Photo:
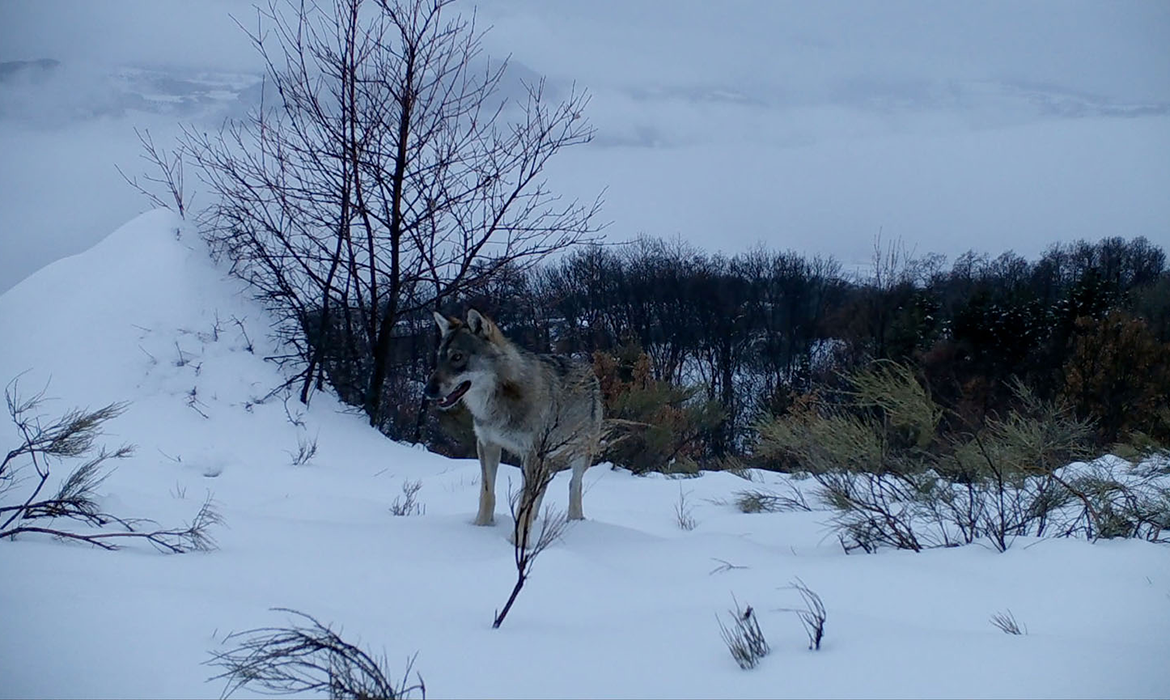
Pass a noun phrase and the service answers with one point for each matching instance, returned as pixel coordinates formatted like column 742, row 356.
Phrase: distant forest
column 699, row 347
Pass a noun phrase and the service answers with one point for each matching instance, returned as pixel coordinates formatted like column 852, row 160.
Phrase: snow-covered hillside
column 624, row 606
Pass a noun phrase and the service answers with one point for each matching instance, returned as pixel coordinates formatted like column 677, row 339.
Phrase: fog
column 810, row 126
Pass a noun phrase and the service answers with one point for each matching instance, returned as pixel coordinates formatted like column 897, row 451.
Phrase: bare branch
column 307, row 658
column 684, row 512
column 1007, row 623
column 812, row 616
column 407, row 503
column 169, row 169
column 723, row 566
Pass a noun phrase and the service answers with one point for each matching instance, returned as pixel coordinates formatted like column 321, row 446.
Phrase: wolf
column 546, row 409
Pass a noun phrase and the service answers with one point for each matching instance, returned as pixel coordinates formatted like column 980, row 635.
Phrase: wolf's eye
column 456, row 356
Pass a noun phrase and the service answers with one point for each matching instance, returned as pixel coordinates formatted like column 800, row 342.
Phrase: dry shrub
column 659, row 426
column 744, row 638
column 895, row 481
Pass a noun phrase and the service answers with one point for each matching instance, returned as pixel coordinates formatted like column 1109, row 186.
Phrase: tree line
column 702, row 346
column 392, row 170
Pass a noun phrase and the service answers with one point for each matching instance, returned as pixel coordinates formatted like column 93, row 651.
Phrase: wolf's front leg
column 489, row 463
column 528, row 501
column 580, row 464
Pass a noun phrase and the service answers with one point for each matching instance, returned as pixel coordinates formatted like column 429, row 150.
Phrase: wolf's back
column 575, row 398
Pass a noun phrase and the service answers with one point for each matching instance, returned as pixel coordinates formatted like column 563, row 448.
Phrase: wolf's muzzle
column 432, row 388
column 444, row 402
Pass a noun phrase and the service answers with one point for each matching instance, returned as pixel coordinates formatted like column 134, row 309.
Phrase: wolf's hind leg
column 489, row 463
column 580, row 464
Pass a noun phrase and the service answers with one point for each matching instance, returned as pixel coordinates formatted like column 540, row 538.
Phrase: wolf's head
column 468, row 355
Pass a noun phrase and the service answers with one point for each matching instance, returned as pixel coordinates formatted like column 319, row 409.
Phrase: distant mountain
column 38, row 67
column 48, row 91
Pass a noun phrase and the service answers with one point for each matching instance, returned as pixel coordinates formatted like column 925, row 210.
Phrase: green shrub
column 894, row 480
column 655, row 426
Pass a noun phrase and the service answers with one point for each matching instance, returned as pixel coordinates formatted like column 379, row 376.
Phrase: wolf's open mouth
column 449, row 400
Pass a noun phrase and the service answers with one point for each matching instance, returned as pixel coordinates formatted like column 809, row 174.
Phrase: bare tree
column 72, row 435
column 391, row 175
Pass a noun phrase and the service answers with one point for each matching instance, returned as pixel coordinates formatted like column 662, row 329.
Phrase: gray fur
column 520, row 401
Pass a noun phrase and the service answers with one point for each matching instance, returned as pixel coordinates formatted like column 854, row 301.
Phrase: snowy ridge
column 624, row 606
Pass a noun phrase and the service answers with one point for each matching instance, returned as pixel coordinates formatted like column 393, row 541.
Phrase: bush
column 407, row 503
column 1116, row 498
column 744, row 638
column 761, row 501
column 895, row 480
column 72, row 512
column 866, row 453
column 308, row 658
column 658, row 426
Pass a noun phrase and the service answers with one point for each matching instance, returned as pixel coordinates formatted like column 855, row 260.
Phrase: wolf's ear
column 480, row 325
column 446, row 325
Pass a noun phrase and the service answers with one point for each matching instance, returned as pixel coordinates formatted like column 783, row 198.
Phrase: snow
column 624, row 605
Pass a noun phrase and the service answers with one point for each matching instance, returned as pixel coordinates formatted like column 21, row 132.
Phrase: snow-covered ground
column 624, row 606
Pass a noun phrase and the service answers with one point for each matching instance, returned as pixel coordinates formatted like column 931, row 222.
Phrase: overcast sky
column 805, row 125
